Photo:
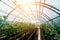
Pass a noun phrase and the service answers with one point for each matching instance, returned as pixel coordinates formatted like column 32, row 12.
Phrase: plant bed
column 51, row 32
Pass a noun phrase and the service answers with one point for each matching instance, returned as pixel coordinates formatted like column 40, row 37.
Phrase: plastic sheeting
column 30, row 10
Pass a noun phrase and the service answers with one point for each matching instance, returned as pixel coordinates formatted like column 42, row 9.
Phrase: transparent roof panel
column 55, row 3
column 34, row 11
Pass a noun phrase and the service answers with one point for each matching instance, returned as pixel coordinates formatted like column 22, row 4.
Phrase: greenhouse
column 29, row 19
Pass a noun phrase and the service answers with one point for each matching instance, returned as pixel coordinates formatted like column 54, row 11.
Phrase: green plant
column 51, row 32
column 8, row 29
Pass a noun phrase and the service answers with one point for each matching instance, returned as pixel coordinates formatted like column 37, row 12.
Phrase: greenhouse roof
column 34, row 11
